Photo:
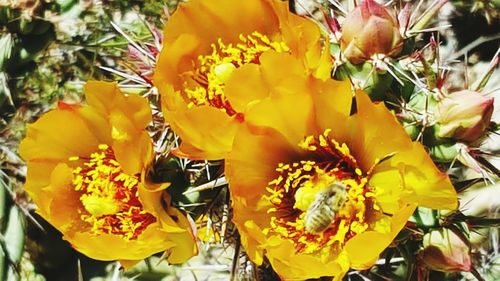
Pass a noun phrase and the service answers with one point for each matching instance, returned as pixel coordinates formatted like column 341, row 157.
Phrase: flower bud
column 368, row 30
column 446, row 251
column 464, row 115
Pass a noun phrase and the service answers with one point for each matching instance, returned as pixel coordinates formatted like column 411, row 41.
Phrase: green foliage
column 12, row 233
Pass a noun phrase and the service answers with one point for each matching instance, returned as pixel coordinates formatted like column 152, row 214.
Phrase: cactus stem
column 415, row 82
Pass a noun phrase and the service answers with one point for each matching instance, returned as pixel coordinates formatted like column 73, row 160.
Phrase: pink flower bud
column 464, row 115
column 368, row 30
column 446, row 251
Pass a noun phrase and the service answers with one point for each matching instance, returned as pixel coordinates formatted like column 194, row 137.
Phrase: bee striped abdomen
column 322, row 211
column 319, row 219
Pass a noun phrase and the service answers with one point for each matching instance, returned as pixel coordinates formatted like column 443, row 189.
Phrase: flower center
column 212, row 71
column 321, row 202
column 110, row 198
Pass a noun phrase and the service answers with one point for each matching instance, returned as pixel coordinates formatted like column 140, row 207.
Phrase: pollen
column 212, row 71
column 109, row 197
column 298, row 184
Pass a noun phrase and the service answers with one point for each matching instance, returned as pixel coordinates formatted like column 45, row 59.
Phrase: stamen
column 212, row 71
column 332, row 185
column 110, row 198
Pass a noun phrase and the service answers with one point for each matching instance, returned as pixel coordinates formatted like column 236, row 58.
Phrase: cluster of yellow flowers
column 321, row 178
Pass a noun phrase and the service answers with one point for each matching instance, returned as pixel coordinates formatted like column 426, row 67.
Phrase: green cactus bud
column 422, row 102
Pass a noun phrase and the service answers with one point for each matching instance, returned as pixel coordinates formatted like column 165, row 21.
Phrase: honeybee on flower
column 286, row 158
column 325, row 206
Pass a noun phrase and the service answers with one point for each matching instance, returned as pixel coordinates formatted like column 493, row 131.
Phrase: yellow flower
column 204, row 43
column 86, row 173
column 317, row 190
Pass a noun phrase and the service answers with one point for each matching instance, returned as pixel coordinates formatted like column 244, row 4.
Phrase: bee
column 325, row 206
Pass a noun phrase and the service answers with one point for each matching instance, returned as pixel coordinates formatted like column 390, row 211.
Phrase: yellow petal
column 245, row 87
column 97, row 123
column 391, row 188
column 302, row 36
column 248, row 169
column 251, row 239
column 374, row 132
column 185, row 241
column 208, row 131
column 292, row 266
column 220, row 19
column 132, row 163
column 101, row 95
column 280, row 112
column 112, row 247
column 38, row 176
column 137, row 109
column 58, row 202
column 167, row 75
column 332, row 102
column 57, row 135
column 364, row 249
column 432, row 188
